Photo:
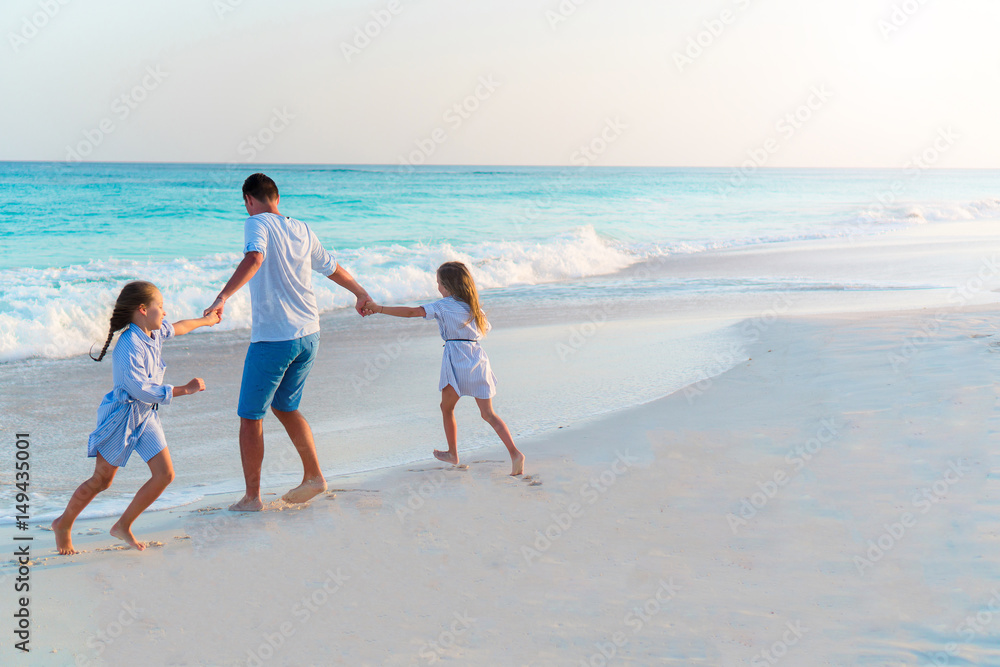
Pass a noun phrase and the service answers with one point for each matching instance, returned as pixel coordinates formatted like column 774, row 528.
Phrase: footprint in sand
column 531, row 480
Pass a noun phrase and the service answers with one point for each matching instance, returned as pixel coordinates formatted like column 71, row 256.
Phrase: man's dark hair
column 260, row 187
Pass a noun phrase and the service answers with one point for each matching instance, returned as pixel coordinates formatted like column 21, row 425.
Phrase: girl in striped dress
column 465, row 368
column 127, row 419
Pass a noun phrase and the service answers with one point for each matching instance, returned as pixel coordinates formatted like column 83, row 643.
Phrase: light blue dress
column 127, row 419
column 465, row 365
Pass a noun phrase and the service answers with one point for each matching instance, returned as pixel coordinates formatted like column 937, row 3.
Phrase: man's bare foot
column 64, row 541
column 517, row 465
column 126, row 536
column 447, row 457
column 247, row 504
column 305, row 491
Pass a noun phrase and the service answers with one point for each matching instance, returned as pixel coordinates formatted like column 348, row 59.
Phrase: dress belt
column 463, row 340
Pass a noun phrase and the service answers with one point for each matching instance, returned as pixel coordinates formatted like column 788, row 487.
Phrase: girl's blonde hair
column 455, row 277
column 133, row 295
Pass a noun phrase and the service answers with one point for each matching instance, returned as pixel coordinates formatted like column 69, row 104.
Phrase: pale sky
column 262, row 82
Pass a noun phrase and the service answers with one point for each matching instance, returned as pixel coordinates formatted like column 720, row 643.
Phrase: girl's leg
column 163, row 473
column 516, row 457
column 449, row 397
column 104, row 474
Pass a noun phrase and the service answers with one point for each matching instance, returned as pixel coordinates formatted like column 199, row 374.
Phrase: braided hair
column 132, row 296
column 455, row 278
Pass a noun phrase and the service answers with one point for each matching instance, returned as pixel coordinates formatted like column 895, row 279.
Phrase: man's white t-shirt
column 283, row 306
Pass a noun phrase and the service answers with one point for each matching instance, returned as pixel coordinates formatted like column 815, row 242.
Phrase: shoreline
column 360, row 422
column 388, row 353
column 910, row 246
column 371, row 402
column 622, row 539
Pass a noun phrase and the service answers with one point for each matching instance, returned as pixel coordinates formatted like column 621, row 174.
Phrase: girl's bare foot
column 247, row 504
column 64, row 541
column 447, row 457
column 517, row 465
column 126, row 536
column 305, row 491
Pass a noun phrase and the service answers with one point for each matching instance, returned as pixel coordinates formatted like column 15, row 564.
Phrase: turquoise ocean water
column 71, row 234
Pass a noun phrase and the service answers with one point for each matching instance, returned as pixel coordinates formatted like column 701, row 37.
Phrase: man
column 279, row 254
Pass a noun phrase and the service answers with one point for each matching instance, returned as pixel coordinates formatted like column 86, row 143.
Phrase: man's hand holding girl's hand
column 362, row 305
column 217, row 306
column 371, row 308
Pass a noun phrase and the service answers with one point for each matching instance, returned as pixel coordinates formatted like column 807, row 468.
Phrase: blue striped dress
column 465, row 365
column 126, row 419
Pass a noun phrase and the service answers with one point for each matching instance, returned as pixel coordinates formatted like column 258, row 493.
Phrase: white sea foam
column 63, row 312
column 920, row 213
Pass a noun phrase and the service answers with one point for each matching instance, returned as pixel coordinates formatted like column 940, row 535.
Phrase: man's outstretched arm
column 241, row 276
column 347, row 281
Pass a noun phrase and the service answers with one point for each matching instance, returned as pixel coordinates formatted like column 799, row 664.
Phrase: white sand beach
column 831, row 500
column 818, row 489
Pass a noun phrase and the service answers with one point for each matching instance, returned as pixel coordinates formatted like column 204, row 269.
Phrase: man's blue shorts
column 274, row 373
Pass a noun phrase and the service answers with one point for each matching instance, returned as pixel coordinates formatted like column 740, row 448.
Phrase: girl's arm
column 140, row 388
column 131, row 374
column 192, row 387
column 373, row 308
column 137, row 384
column 184, row 326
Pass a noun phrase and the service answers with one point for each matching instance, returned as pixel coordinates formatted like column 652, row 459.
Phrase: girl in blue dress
column 127, row 419
column 465, row 368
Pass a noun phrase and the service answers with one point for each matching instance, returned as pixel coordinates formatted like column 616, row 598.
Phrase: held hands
column 209, row 319
column 362, row 305
column 216, row 308
column 370, row 308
